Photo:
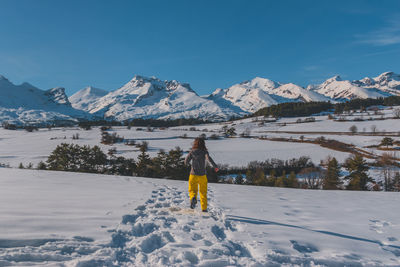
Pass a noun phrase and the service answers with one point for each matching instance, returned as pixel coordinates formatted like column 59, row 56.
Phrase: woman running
column 198, row 155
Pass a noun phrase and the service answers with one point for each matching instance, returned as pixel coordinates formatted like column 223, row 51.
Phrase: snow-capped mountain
column 295, row 92
column 25, row 103
column 85, row 97
column 336, row 88
column 388, row 82
column 144, row 97
column 249, row 96
column 258, row 93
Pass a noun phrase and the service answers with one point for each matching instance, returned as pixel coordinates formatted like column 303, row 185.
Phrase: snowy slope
column 69, row 219
column 258, row 93
column 248, row 96
column 25, row 103
column 339, row 89
column 144, row 97
column 293, row 91
column 387, row 82
column 85, row 97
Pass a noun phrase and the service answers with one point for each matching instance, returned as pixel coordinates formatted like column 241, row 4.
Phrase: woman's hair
column 199, row 144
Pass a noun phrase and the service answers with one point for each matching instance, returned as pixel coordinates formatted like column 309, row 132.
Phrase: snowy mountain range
column 258, row 93
column 26, row 104
column 144, row 97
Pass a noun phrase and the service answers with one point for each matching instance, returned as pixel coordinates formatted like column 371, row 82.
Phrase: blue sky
column 208, row 44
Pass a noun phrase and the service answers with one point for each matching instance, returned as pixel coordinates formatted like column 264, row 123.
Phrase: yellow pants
column 194, row 182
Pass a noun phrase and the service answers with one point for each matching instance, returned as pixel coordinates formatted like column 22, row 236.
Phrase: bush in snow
column 387, row 141
column 353, row 129
column 41, row 166
column 229, row 131
column 109, row 139
column 388, row 163
column 239, row 179
column 311, row 178
column 9, row 126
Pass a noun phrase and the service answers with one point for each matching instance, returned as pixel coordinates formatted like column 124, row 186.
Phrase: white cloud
column 388, row 35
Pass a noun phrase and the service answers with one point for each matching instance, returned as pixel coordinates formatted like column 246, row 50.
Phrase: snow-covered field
column 25, row 147
column 76, row 219
column 68, row 219
column 21, row 146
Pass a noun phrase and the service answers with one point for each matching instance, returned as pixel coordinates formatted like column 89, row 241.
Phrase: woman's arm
column 188, row 158
column 209, row 159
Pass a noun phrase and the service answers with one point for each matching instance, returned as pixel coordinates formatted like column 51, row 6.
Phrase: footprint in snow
column 378, row 226
column 303, row 247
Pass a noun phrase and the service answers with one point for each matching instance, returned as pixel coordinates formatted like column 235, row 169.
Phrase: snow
column 53, row 204
column 24, row 104
column 258, row 93
column 52, row 218
column 238, row 152
column 324, row 125
column 85, row 97
column 69, row 219
column 386, row 84
column 152, row 98
column 32, row 147
column 293, row 91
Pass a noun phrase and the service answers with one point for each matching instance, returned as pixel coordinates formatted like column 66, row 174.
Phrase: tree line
column 294, row 173
column 296, row 109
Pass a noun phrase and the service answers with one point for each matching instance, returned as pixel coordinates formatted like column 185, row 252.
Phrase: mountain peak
column 335, row 78
column 386, row 76
column 263, row 83
column 86, row 96
column 140, row 78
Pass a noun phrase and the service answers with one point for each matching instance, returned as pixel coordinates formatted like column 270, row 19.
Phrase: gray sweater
column 198, row 158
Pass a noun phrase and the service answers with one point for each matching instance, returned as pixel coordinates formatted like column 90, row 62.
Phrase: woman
column 198, row 155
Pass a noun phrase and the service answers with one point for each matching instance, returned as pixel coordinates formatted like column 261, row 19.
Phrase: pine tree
column 280, row 182
column 143, row 167
column 249, row 176
column 271, row 180
column 358, row 177
column 175, row 166
column 121, row 166
column 259, row 177
column 70, row 157
column 159, row 164
column 332, row 178
column 292, row 181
